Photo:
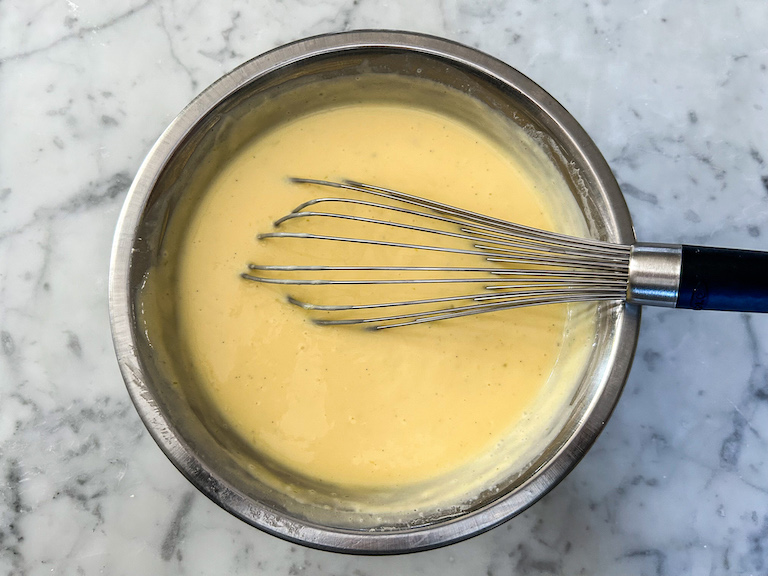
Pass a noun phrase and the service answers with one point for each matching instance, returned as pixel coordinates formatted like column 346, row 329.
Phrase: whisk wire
column 447, row 313
column 520, row 229
column 495, row 224
column 556, row 268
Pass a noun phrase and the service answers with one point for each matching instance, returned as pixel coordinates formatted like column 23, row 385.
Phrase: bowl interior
column 227, row 116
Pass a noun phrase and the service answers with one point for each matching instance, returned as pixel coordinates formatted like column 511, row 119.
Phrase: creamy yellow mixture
column 343, row 405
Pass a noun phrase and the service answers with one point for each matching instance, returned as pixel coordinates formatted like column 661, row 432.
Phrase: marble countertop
column 675, row 94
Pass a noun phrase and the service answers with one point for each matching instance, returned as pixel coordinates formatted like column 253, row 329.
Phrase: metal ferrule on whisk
column 654, row 274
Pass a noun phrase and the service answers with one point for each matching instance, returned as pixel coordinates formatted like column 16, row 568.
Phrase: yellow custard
column 354, row 408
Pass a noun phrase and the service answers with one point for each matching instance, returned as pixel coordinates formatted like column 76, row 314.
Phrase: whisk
column 524, row 266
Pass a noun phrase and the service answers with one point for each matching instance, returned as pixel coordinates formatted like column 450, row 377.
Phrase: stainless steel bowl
column 250, row 99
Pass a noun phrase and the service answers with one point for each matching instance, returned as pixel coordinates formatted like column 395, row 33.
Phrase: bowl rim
column 227, row 496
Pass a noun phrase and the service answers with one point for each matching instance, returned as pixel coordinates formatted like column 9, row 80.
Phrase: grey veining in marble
column 675, row 94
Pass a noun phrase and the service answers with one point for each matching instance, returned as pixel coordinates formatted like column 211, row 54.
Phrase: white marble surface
column 674, row 93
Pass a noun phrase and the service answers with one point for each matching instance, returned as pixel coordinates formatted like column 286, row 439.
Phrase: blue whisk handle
column 723, row 279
